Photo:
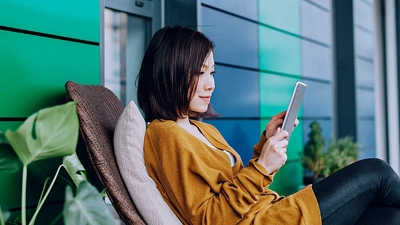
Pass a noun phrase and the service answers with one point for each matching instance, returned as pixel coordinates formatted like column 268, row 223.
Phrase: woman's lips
column 205, row 98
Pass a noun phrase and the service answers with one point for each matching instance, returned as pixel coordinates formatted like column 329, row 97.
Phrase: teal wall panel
column 281, row 66
column 289, row 179
column 279, row 52
column 280, row 14
column 34, row 70
column 73, row 18
column 275, row 94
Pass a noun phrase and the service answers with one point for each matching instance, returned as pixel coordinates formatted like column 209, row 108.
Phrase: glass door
column 127, row 31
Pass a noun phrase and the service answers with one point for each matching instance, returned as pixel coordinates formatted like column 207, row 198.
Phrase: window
column 127, row 31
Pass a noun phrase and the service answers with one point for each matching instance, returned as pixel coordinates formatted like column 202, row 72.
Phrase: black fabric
column 365, row 192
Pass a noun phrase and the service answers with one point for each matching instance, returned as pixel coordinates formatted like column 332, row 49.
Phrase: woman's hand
column 275, row 122
column 273, row 155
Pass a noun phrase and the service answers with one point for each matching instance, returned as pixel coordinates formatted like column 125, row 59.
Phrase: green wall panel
column 73, row 18
column 288, row 180
column 279, row 52
column 280, row 14
column 34, row 69
column 9, row 125
column 275, row 94
column 280, row 63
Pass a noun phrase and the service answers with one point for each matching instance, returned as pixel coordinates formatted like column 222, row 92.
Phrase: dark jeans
column 365, row 192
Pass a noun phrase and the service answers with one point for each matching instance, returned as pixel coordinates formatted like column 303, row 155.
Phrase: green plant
column 340, row 153
column 4, row 214
column 323, row 162
column 49, row 133
column 313, row 156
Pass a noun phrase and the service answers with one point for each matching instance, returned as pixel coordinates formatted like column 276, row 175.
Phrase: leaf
column 51, row 132
column 9, row 161
column 87, row 207
column 74, row 168
column 4, row 214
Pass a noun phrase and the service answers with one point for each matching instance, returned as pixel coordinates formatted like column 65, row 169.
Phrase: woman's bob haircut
column 169, row 73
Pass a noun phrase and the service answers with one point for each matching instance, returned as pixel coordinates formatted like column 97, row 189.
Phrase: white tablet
column 293, row 108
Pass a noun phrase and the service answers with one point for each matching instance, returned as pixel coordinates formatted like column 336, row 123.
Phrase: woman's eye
column 213, row 72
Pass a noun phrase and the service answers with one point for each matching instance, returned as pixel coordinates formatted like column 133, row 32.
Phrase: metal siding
column 73, row 18
column 34, row 69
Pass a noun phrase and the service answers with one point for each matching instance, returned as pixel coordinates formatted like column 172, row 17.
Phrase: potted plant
column 312, row 157
column 340, row 153
column 319, row 162
column 52, row 132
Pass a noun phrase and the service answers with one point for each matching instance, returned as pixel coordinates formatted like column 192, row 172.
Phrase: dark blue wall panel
column 236, row 92
column 241, row 135
column 235, row 38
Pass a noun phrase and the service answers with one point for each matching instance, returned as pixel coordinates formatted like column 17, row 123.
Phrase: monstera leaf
column 74, row 168
column 4, row 214
column 51, row 132
column 9, row 161
column 87, row 207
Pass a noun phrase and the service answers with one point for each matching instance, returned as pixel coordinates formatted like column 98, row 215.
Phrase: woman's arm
column 199, row 182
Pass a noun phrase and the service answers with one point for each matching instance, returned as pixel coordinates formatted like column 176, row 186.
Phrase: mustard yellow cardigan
column 201, row 187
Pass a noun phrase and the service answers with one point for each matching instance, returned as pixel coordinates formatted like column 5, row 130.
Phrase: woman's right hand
column 273, row 155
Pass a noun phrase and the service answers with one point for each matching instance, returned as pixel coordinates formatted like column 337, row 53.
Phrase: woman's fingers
column 279, row 135
column 275, row 122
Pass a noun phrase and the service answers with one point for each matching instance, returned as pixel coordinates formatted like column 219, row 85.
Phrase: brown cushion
column 98, row 110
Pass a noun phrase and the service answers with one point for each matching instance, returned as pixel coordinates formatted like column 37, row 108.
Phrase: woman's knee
column 373, row 164
column 378, row 168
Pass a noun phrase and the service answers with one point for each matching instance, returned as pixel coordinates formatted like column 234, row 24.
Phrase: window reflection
column 125, row 41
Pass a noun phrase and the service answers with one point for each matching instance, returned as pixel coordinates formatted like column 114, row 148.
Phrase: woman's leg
column 380, row 215
column 345, row 195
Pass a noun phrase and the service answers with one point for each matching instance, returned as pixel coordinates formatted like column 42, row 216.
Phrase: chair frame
column 98, row 111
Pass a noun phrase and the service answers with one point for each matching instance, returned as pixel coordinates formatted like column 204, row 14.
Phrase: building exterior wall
column 262, row 49
column 43, row 44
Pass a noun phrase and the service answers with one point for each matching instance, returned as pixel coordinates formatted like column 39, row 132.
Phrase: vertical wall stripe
column 392, row 81
column 379, row 80
column 345, row 71
column 279, row 50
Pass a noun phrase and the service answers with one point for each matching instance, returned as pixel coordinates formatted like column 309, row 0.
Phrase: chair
column 98, row 110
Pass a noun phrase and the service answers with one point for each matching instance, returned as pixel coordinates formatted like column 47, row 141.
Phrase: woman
column 203, row 179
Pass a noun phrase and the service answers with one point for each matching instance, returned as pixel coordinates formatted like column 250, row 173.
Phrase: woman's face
column 205, row 86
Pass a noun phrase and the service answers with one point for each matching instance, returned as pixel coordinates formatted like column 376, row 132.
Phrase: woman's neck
column 192, row 129
column 184, row 122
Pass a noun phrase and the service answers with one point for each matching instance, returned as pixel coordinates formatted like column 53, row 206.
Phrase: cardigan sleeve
column 258, row 147
column 197, row 182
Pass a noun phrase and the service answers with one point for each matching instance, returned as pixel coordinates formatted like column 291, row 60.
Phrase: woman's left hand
column 276, row 122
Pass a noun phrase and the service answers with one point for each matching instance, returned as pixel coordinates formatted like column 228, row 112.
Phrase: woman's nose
column 209, row 84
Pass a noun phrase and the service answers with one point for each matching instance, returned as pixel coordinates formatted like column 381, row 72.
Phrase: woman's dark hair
column 169, row 73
